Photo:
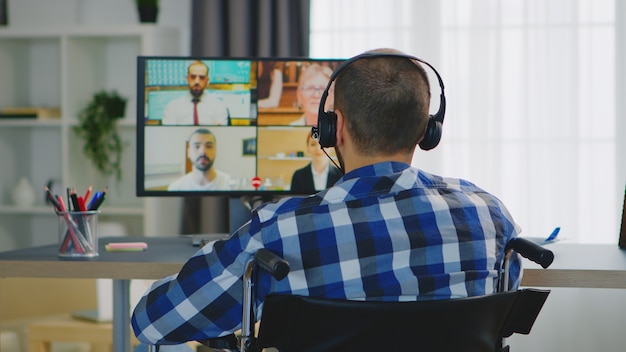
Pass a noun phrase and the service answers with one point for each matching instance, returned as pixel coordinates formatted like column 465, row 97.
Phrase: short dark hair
column 196, row 63
column 385, row 101
column 201, row 131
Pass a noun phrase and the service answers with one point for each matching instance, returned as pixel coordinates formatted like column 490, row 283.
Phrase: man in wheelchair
column 386, row 231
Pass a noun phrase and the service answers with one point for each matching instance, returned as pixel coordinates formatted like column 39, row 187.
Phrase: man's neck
column 355, row 162
column 204, row 177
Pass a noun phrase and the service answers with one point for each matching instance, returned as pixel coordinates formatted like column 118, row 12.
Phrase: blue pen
column 553, row 235
column 94, row 200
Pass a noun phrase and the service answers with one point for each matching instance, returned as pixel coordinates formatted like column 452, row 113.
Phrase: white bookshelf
column 63, row 67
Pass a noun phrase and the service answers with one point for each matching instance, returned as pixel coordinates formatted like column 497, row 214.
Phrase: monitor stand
column 239, row 209
column 239, row 212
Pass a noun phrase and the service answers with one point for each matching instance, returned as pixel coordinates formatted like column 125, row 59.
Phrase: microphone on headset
column 316, row 135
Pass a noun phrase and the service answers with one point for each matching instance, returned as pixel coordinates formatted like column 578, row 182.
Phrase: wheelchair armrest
column 273, row 264
column 531, row 250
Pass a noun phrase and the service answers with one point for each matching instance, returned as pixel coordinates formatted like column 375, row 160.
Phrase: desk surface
column 579, row 265
column 575, row 264
column 164, row 256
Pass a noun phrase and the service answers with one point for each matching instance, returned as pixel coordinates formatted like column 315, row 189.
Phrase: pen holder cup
column 78, row 234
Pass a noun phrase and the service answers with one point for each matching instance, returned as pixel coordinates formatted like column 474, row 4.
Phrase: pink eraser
column 128, row 245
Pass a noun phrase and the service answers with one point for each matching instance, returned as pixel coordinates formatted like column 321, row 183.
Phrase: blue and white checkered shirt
column 383, row 232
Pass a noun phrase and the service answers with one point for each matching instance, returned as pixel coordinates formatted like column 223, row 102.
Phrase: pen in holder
column 78, row 233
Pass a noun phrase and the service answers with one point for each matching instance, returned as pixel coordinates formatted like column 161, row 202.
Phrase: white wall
column 583, row 319
column 172, row 13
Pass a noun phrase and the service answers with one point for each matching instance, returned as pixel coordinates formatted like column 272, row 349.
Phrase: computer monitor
column 247, row 119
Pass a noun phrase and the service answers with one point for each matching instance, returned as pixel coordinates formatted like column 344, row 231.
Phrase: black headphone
column 325, row 131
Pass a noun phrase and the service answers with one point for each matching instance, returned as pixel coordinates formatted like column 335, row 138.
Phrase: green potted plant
column 148, row 10
column 97, row 126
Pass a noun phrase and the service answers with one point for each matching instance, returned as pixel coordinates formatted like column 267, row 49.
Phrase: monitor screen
column 231, row 126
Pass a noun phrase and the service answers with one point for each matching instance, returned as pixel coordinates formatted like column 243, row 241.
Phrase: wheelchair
column 309, row 324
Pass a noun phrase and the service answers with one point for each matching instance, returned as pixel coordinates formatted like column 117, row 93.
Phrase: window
column 530, row 86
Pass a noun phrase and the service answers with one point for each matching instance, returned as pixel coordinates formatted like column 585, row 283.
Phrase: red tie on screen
column 195, row 112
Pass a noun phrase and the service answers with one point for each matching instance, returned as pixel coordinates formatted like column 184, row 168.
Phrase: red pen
column 81, row 203
column 87, row 194
column 61, row 203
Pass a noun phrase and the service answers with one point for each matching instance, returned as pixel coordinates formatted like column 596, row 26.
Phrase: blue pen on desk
column 553, row 235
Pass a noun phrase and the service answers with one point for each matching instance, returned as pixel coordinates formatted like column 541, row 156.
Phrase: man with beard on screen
column 201, row 152
column 196, row 107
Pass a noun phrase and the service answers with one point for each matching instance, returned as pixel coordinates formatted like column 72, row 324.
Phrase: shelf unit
column 63, row 67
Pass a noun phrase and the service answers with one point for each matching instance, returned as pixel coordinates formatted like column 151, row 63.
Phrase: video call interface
column 227, row 126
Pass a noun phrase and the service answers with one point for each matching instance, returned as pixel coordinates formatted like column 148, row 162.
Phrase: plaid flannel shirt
column 383, row 232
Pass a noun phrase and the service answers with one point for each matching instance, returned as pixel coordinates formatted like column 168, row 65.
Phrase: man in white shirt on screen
column 196, row 108
column 202, row 177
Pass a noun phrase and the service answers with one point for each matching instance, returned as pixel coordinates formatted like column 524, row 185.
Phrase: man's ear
column 340, row 129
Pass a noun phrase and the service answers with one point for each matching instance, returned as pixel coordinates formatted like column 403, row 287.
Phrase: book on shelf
column 31, row 113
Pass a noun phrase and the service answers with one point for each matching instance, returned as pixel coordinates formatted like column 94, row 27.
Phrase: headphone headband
column 326, row 120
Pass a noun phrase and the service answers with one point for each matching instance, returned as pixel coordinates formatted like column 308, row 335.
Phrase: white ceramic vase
column 23, row 194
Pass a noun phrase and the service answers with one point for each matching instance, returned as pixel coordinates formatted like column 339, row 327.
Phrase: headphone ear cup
column 432, row 136
column 327, row 129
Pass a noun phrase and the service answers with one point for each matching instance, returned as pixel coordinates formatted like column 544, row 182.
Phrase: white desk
column 579, row 265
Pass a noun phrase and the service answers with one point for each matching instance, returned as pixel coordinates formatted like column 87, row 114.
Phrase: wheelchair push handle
column 531, row 250
column 273, row 264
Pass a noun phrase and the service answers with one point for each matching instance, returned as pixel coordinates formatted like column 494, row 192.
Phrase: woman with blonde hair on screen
column 312, row 82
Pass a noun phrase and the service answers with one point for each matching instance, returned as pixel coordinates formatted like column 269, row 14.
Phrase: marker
column 81, row 203
column 94, row 200
column 69, row 200
column 75, row 203
column 97, row 200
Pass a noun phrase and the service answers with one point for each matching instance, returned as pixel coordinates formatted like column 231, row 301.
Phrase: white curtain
column 531, row 92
